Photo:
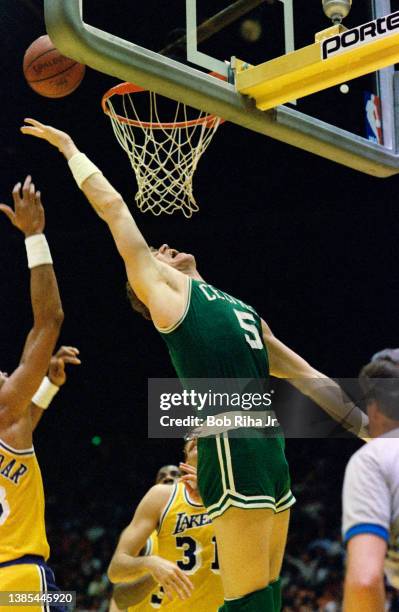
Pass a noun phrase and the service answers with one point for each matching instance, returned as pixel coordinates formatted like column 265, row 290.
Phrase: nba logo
column 373, row 118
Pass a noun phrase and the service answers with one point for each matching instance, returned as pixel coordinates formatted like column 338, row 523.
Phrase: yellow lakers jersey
column 186, row 537
column 151, row 548
column 22, row 529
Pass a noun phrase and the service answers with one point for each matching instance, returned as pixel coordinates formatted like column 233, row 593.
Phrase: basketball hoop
column 164, row 155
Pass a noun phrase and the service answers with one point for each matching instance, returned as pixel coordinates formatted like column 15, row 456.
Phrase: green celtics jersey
column 218, row 336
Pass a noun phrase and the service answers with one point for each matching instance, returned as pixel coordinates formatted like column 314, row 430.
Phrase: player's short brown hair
column 379, row 381
column 137, row 304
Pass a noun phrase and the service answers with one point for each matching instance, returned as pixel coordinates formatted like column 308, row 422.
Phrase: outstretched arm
column 56, row 378
column 285, row 363
column 17, row 390
column 145, row 273
column 126, row 562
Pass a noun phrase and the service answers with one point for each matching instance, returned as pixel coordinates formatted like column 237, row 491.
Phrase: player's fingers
column 187, row 468
column 7, row 210
column 16, row 193
column 27, row 182
column 32, row 192
column 184, row 583
column 36, row 129
column 26, row 186
column 68, row 350
column 72, row 360
column 184, row 578
column 179, row 591
column 173, row 584
column 34, row 122
column 38, row 198
column 188, row 475
column 68, row 355
column 168, row 591
column 31, row 131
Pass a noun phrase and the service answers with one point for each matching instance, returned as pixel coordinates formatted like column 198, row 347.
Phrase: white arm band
column 82, row 168
column 37, row 250
column 45, row 393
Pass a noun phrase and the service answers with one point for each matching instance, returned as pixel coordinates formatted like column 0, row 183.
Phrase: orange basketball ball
column 48, row 72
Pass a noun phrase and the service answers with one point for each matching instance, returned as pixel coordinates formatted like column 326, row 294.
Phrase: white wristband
column 45, row 393
column 82, row 168
column 37, row 250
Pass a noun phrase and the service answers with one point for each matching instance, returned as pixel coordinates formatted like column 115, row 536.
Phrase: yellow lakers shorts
column 27, row 575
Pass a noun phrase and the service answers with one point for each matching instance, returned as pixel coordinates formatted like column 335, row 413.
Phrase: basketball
column 49, row 73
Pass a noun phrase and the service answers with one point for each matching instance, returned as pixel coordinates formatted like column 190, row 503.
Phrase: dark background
column 310, row 244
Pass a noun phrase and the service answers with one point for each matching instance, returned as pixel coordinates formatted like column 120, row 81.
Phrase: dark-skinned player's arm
column 285, row 363
column 56, row 378
column 18, row 389
column 152, row 281
column 127, row 562
column 127, row 594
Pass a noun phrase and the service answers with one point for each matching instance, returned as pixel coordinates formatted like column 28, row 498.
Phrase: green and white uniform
column 221, row 337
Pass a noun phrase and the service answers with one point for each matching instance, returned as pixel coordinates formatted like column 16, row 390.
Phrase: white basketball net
column 164, row 156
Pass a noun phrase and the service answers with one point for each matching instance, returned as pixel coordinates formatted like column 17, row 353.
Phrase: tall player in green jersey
column 244, row 482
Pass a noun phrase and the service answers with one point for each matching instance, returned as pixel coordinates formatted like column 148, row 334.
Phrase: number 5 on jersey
column 247, row 322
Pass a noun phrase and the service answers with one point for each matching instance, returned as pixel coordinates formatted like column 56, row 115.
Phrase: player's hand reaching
column 61, row 140
column 170, row 577
column 28, row 212
column 64, row 355
column 189, row 478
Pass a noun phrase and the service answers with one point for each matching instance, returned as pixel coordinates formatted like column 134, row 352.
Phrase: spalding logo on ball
column 48, row 72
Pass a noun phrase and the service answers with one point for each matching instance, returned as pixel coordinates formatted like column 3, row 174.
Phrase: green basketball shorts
column 244, row 473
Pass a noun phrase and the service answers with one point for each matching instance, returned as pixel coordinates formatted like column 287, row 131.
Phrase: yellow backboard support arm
column 305, row 72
